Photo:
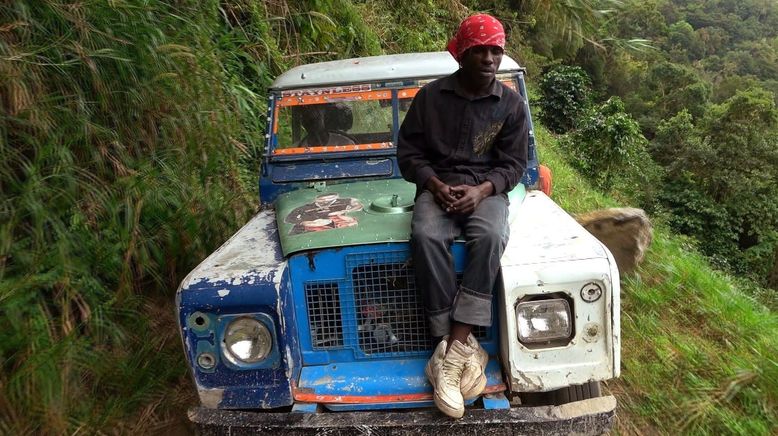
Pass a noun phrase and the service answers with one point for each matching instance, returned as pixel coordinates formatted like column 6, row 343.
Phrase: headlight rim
column 230, row 359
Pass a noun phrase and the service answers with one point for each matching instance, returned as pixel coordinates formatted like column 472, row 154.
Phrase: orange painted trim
column 408, row 93
column 510, row 84
column 310, row 397
column 321, row 99
column 275, row 120
column 331, row 148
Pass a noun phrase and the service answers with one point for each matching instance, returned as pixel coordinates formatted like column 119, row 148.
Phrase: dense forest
column 131, row 132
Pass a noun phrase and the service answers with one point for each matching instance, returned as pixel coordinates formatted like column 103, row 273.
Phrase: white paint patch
column 251, row 254
column 211, row 398
column 541, row 231
column 549, row 252
column 223, row 292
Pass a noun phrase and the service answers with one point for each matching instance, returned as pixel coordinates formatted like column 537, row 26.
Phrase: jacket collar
column 451, row 83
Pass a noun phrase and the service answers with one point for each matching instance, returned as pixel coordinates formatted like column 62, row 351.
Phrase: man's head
column 478, row 47
column 479, row 29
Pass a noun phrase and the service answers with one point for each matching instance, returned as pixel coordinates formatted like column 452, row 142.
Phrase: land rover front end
column 308, row 319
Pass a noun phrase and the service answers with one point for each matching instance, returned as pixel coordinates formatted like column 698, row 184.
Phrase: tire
column 577, row 393
column 562, row 396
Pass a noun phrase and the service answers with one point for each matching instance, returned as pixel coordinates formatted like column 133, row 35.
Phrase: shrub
column 566, row 95
column 609, row 149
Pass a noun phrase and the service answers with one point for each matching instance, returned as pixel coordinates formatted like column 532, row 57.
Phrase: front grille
column 390, row 315
column 374, row 310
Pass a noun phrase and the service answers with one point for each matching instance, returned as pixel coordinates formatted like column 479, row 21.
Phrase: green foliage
column 608, row 148
column 682, row 43
column 721, row 179
column 560, row 28
column 419, row 26
column 695, row 346
column 666, row 89
column 566, row 95
column 120, row 138
column 714, row 155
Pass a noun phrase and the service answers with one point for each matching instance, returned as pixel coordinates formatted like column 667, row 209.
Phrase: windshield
column 344, row 118
column 349, row 121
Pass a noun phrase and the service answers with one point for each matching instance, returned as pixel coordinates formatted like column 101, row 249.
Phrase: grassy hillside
column 130, row 134
column 698, row 353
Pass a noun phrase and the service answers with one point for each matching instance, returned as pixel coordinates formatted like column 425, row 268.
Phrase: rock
column 627, row 233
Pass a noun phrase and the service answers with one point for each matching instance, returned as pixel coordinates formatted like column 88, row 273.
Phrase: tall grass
column 120, row 137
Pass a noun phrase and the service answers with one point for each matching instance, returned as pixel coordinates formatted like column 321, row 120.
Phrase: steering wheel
column 346, row 135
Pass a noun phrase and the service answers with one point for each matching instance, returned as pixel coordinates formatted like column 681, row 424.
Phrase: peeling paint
column 223, row 292
column 527, row 382
column 211, row 398
column 249, row 256
column 288, row 361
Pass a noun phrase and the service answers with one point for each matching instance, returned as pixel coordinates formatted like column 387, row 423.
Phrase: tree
column 566, row 94
column 609, row 149
column 561, row 27
column 722, row 179
column 683, row 43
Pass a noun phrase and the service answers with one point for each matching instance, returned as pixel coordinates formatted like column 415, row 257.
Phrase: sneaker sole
column 448, row 410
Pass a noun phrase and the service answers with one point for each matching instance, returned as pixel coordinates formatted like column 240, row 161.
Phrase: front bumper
column 587, row 417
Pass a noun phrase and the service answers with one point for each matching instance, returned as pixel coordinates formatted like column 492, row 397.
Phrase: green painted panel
column 338, row 215
column 344, row 214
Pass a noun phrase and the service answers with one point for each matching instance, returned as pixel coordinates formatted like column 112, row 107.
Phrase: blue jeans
column 432, row 232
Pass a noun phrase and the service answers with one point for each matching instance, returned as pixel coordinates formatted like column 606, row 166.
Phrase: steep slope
column 698, row 352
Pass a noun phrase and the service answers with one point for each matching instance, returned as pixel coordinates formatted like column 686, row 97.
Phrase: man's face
column 480, row 63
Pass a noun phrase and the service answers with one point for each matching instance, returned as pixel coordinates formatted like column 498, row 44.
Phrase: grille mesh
column 389, row 312
column 375, row 309
column 324, row 315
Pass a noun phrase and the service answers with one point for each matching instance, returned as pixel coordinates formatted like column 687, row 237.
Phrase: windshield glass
column 339, row 122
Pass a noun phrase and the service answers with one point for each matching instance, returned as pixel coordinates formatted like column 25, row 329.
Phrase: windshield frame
column 335, row 94
column 338, row 93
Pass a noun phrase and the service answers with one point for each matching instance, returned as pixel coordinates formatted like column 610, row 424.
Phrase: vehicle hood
column 367, row 212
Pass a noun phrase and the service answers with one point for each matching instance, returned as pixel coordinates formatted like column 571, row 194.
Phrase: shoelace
column 450, row 369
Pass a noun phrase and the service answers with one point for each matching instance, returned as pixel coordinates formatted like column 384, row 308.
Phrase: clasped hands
column 462, row 199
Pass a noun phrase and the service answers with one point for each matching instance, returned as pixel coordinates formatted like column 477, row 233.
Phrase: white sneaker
column 448, row 395
column 433, row 365
column 473, row 377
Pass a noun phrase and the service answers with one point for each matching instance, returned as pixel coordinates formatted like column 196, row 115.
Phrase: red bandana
column 480, row 29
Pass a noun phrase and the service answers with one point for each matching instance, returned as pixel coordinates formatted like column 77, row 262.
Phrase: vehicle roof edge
column 376, row 68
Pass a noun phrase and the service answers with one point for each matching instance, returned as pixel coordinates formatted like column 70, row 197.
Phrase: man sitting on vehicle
column 464, row 144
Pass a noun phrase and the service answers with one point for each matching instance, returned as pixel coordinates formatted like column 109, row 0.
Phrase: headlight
column 543, row 320
column 247, row 341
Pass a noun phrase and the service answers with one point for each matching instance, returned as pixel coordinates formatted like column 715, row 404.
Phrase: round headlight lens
column 247, row 341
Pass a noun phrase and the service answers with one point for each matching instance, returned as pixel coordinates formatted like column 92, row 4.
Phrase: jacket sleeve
column 510, row 151
column 411, row 157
